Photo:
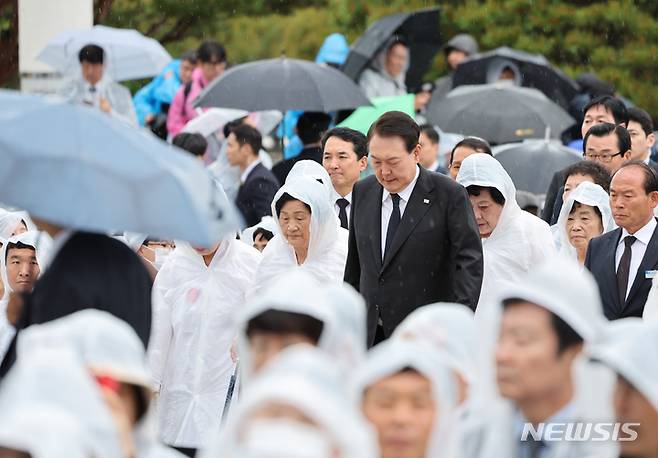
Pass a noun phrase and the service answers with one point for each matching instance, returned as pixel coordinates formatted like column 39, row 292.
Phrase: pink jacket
column 181, row 110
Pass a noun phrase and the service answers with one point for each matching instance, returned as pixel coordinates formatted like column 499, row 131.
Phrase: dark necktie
column 535, row 448
column 624, row 268
column 394, row 222
column 92, row 89
column 342, row 211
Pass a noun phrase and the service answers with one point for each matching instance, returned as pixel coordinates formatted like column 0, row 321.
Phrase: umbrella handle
column 229, row 393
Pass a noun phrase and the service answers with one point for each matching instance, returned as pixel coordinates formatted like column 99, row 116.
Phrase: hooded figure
column 567, row 292
column 12, row 223
column 55, row 380
column 592, row 195
column 398, row 356
column 376, row 81
column 266, row 223
column 325, row 241
column 108, row 347
column 313, row 170
column 462, row 42
column 297, row 408
column 195, row 306
column 504, row 70
column 519, row 240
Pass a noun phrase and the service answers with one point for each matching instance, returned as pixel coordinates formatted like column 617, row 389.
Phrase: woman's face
column 583, row 224
column 295, row 223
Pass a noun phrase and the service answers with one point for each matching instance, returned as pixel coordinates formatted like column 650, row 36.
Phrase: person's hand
column 260, row 242
column 234, row 350
column 149, row 119
column 421, row 99
column 14, row 307
column 121, row 419
column 105, row 105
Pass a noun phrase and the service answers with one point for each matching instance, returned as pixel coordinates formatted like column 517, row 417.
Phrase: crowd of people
column 382, row 300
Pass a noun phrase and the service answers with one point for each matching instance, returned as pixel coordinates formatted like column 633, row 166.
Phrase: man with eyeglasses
column 607, row 144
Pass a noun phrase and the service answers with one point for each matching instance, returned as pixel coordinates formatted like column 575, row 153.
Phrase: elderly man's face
column 632, row 207
column 394, row 166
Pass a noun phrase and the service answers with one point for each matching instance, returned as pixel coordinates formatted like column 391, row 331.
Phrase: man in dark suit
column 311, row 126
column 429, row 149
column 413, row 237
column 258, row 185
column 625, row 260
column 640, row 127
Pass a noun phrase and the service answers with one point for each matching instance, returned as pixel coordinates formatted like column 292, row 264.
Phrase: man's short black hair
column 612, row 104
column 189, row 56
column 267, row 235
column 357, row 139
column 431, row 133
column 650, row 175
column 93, row 54
column 604, row 129
column 496, row 195
column 211, row 52
column 599, row 174
column 567, row 337
column 641, row 117
column 193, row 143
column 17, row 246
column 280, row 322
column 229, row 126
column 311, row 126
column 476, row 144
column 396, row 124
column 287, row 198
column 248, row 135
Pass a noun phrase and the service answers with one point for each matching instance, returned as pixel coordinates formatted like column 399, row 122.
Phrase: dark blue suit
column 254, row 199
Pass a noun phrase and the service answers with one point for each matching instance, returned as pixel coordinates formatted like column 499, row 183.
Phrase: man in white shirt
column 624, row 261
column 96, row 89
column 345, row 156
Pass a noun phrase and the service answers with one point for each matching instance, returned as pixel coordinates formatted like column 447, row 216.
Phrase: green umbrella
column 363, row 117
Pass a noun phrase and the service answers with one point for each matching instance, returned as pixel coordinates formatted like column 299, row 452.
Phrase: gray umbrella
column 500, row 113
column 282, row 84
column 531, row 164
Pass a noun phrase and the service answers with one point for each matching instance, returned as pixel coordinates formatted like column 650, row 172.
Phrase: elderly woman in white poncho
column 513, row 241
column 310, row 238
column 586, row 214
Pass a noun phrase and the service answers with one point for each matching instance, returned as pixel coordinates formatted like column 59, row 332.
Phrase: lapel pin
column 426, row 201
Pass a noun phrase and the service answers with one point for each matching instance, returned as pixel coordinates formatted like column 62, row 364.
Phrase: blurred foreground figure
column 96, row 89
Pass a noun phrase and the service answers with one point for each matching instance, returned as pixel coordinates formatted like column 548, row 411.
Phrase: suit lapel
column 610, row 268
column 648, row 263
column 419, row 203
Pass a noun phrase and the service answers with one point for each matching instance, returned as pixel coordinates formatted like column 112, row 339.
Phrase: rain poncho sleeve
column 118, row 96
column 195, row 314
column 181, row 110
column 519, row 242
column 586, row 193
column 149, row 99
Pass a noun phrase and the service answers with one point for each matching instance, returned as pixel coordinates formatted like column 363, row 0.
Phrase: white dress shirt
column 247, row 171
column 387, row 206
column 638, row 249
column 349, row 206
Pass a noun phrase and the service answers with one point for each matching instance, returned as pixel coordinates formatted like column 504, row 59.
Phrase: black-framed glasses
column 605, row 158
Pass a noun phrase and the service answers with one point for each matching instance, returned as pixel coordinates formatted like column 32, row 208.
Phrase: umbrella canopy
column 500, row 113
column 282, row 84
column 364, row 117
column 533, row 71
column 77, row 167
column 129, row 55
column 214, row 119
column 419, row 29
column 531, row 164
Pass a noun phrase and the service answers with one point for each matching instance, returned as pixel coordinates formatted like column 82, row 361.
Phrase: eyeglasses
column 605, row 158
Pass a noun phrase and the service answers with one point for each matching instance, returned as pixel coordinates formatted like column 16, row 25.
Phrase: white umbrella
column 128, row 54
column 214, row 119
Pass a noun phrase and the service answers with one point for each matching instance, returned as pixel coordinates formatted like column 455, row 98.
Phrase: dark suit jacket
column 653, row 165
column 436, row 254
column 254, row 199
column 283, row 168
column 557, row 183
column 600, row 260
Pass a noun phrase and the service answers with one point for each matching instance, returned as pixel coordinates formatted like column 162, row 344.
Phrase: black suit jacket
column 600, row 260
column 436, row 254
column 283, row 168
column 254, row 199
column 557, row 183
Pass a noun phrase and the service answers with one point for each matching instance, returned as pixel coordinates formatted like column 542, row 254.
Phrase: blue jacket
column 161, row 90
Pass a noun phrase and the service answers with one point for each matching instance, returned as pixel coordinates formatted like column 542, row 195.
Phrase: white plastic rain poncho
column 305, row 379
column 194, row 323
column 311, row 169
column 563, row 288
column 375, row 81
column 9, row 222
column 585, row 193
column 266, row 222
column 327, row 246
column 41, row 243
column 107, row 346
column 391, row 357
column 520, row 240
column 55, row 379
column 630, row 348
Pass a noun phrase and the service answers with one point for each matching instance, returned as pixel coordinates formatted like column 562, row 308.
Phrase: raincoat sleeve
column 145, row 102
column 176, row 118
column 551, row 195
column 369, row 83
column 161, row 335
column 466, row 249
column 122, row 104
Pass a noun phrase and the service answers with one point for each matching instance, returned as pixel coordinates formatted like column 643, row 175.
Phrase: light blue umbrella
column 78, row 167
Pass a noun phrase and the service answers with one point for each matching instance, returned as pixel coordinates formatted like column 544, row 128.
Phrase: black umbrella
column 282, row 84
column 534, row 71
column 531, row 164
column 500, row 113
column 419, row 29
